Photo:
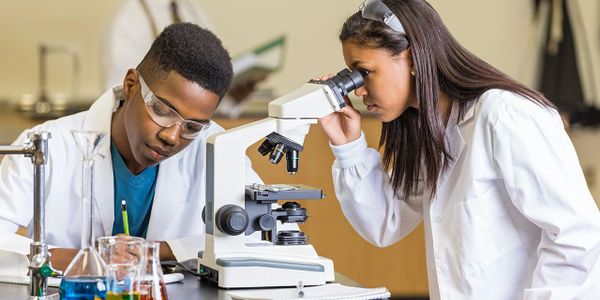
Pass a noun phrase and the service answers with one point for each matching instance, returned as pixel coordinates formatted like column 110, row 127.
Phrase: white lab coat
column 512, row 219
column 178, row 201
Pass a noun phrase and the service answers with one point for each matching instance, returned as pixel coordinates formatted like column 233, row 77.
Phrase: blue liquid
column 83, row 288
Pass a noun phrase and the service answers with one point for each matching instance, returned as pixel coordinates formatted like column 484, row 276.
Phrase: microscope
column 234, row 211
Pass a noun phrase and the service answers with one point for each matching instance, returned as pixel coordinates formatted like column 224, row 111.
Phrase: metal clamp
column 37, row 149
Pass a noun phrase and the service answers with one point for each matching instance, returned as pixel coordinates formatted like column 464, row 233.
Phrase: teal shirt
column 137, row 191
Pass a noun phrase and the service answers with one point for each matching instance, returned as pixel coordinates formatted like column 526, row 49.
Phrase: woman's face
column 389, row 86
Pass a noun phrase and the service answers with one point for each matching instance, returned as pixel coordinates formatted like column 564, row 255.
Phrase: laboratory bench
column 189, row 288
column 400, row 268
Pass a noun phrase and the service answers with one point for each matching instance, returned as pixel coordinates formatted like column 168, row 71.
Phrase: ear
column 130, row 80
column 409, row 57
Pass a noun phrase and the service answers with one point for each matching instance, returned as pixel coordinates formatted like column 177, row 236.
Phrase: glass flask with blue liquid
column 85, row 277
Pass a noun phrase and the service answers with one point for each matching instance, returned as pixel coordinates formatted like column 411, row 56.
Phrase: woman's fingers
column 342, row 127
column 325, row 77
column 350, row 112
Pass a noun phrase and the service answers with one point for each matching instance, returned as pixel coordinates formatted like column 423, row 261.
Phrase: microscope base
column 251, row 272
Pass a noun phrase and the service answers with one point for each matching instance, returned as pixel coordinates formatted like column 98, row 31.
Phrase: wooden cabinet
column 401, row 267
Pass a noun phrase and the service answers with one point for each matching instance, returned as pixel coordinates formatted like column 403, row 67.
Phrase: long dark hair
column 415, row 139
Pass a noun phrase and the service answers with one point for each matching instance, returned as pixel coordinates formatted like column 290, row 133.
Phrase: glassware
column 152, row 285
column 125, row 257
column 84, row 277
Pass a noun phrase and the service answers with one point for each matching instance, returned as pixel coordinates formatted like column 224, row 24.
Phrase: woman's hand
column 343, row 126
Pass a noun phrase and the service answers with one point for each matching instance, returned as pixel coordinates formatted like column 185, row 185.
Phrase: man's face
column 150, row 143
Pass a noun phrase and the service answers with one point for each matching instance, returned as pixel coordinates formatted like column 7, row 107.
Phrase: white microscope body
column 236, row 261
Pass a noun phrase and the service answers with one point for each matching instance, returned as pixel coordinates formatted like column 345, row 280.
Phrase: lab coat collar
column 467, row 114
column 455, row 143
column 98, row 118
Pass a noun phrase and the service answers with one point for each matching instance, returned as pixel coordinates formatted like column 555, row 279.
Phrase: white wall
column 25, row 24
column 490, row 28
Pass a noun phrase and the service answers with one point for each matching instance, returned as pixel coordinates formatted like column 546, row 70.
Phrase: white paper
column 13, row 264
column 14, row 243
column 322, row 292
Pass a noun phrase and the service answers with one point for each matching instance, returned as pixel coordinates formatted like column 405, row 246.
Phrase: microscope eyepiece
column 346, row 81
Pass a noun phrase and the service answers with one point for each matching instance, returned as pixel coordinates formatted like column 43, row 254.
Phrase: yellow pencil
column 125, row 219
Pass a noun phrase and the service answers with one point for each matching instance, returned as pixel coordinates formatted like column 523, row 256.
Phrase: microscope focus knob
column 232, row 219
column 266, row 222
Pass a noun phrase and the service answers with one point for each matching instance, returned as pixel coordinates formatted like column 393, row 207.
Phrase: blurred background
column 55, row 49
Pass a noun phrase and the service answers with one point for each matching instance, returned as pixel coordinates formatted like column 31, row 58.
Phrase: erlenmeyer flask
column 84, row 278
column 152, row 283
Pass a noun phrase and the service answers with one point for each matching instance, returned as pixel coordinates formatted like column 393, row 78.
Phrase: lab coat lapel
column 171, row 187
column 105, row 193
column 455, row 142
column 99, row 118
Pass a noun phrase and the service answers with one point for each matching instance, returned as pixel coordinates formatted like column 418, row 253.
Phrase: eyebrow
column 167, row 103
column 355, row 64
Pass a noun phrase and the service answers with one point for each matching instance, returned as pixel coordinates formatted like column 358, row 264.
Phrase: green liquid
column 123, row 296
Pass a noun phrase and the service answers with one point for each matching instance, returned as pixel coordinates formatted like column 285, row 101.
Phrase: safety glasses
column 163, row 115
column 377, row 10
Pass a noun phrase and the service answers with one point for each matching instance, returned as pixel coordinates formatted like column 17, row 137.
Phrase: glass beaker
column 152, row 284
column 84, row 278
column 125, row 257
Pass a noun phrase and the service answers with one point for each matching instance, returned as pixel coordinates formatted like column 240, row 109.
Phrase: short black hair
column 194, row 53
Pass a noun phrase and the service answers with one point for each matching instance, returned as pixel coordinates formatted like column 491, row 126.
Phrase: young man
column 153, row 155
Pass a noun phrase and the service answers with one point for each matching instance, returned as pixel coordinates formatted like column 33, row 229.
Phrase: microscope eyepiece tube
column 346, row 81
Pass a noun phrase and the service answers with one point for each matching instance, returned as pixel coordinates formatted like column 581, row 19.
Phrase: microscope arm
column 313, row 100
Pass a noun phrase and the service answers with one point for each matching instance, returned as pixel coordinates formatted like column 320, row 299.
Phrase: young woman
column 483, row 160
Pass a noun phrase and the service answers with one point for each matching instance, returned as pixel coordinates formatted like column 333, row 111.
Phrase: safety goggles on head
column 377, row 10
column 163, row 115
